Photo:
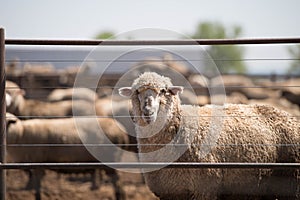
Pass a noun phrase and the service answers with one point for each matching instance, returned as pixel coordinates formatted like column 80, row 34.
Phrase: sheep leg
column 283, row 184
column 119, row 192
column 95, row 174
column 37, row 176
column 34, row 176
column 30, row 183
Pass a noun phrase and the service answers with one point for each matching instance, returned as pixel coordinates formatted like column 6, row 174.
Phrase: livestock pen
column 123, row 165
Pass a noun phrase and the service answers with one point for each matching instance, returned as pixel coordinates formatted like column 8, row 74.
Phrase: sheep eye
column 162, row 91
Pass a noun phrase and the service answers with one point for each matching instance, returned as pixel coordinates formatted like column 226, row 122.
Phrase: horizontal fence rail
column 145, row 60
column 149, row 165
column 156, row 145
column 154, row 42
column 126, row 116
column 196, row 87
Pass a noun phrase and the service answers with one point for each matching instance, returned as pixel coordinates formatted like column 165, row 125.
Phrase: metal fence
column 6, row 166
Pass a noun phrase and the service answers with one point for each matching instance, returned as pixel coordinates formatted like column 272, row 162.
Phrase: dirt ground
column 69, row 186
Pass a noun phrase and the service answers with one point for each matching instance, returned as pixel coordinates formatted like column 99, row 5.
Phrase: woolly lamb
column 65, row 131
column 249, row 133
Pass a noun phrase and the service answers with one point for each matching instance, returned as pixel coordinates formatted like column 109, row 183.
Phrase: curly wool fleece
column 151, row 79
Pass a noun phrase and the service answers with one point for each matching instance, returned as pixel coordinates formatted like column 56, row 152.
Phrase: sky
column 77, row 19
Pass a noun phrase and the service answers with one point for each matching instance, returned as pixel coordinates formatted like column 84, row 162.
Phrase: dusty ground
column 75, row 187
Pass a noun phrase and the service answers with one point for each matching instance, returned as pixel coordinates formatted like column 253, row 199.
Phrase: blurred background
column 251, row 74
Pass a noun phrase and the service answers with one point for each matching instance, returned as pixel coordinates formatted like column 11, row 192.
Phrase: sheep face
column 149, row 99
column 152, row 97
column 150, row 102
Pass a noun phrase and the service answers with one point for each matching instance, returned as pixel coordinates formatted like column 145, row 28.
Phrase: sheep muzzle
column 149, row 105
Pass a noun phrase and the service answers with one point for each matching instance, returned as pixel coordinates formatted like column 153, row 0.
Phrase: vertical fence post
column 2, row 115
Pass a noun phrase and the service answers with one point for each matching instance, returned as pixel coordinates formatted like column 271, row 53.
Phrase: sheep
column 175, row 65
column 189, row 97
column 236, row 98
column 120, row 110
column 249, row 133
column 242, row 84
column 290, row 90
column 69, row 74
column 72, row 94
column 162, row 64
column 11, row 85
column 65, row 131
column 13, row 68
column 280, row 103
column 199, row 80
column 38, row 69
column 29, row 108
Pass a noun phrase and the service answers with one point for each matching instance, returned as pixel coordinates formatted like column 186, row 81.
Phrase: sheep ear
column 176, row 90
column 125, row 91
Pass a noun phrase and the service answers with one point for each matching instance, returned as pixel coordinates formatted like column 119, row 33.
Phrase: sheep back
column 32, row 108
column 61, row 131
column 72, row 94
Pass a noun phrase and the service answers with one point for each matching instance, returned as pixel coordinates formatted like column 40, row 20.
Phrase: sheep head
column 14, row 128
column 152, row 95
column 14, row 96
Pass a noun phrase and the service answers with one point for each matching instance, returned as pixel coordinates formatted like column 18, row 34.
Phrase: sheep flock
column 49, row 131
column 168, row 119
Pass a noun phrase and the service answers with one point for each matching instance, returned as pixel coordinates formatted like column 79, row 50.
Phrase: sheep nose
column 148, row 110
column 148, row 101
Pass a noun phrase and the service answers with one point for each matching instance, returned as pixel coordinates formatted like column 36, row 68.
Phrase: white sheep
column 50, row 136
column 167, row 130
column 72, row 94
column 30, row 108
